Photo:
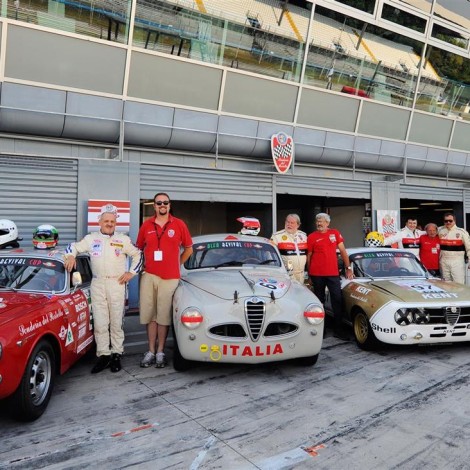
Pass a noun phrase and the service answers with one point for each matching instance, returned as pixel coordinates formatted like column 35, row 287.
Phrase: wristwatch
column 349, row 267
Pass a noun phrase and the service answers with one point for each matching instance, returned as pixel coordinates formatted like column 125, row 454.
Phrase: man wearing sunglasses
column 455, row 247
column 166, row 243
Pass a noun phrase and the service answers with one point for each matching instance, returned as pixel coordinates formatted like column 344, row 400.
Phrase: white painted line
column 202, row 454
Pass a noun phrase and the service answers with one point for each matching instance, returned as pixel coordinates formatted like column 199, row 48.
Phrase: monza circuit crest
column 282, row 150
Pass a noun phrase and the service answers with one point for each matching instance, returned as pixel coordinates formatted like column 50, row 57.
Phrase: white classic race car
column 236, row 303
column 393, row 299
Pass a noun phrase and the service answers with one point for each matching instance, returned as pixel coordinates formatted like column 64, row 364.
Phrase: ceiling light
column 409, row 208
column 429, row 203
column 448, row 209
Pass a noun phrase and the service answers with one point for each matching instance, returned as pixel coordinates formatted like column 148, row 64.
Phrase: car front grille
column 449, row 315
column 255, row 310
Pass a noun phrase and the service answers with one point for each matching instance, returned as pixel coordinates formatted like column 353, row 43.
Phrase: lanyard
column 161, row 234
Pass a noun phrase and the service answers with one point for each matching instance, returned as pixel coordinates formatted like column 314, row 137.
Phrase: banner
column 282, row 150
column 123, row 214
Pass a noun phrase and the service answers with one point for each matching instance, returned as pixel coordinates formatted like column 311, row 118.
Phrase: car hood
column 419, row 290
column 246, row 282
column 15, row 304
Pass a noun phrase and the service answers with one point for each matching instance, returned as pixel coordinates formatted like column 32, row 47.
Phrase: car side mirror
column 76, row 279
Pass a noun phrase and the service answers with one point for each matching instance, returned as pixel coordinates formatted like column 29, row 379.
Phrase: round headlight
column 314, row 314
column 191, row 318
column 420, row 316
column 403, row 316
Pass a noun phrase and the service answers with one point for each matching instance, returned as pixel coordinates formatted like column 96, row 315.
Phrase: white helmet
column 8, row 234
column 251, row 225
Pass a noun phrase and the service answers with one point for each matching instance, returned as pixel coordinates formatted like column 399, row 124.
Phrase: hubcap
column 40, row 378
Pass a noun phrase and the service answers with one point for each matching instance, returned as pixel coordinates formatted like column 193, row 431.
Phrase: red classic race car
column 45, row 325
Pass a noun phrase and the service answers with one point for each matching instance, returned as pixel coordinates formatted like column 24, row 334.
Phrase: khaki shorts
column 156, row 296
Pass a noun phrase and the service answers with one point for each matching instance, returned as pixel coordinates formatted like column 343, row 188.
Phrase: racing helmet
column 45, row 237
column 374, row 239
column 8, row 234
column 251, row 225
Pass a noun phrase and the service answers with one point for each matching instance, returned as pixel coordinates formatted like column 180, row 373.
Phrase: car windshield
column 32, row 274
column 386, row 264
column 224, row 253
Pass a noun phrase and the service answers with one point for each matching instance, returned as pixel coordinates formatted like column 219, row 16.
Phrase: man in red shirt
column 429, row 249
column 166, row 243
column 322, row 265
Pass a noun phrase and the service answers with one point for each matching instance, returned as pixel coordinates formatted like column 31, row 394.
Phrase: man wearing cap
column 292, row 244
column 167, row 244
column 108, row 252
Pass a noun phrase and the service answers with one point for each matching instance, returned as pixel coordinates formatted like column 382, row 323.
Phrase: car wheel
column 180, row 364
column 34, row 392
column 363, row 333
column 309, row 361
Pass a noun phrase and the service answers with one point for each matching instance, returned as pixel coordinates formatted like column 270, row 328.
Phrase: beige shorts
column 156, row 296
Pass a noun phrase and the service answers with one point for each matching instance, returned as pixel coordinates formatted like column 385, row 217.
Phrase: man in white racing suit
column 292, row 244
column 407, row 237
column 455, row 244
column 108, row 255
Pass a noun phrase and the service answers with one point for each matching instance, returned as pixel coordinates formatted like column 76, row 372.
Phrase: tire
column 180, row 364
column 309, row 361
column 365, row 337
column 34, row 392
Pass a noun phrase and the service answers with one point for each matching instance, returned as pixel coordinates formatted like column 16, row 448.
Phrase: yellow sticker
column 215, row 355
column 215, row 348
column 203, row 348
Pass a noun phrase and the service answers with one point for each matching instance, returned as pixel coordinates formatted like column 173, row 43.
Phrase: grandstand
column 257, row 36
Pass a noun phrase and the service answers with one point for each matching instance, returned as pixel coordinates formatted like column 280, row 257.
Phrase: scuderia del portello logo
column 282, row 149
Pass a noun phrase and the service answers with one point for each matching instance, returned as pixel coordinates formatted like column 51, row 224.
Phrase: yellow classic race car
column 393, row 299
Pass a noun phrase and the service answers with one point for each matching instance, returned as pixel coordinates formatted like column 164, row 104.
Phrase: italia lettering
column 439, row 295
column 231, row 244
column 257, row 351
column 378, row 328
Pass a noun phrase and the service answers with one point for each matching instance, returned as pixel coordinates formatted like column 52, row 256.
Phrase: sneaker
column 161, row 360
column 116, row 362
column 148, row 359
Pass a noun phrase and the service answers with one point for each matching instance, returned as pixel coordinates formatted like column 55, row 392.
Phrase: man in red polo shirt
column 429, row 249
column 323, row 269
column 166, row 243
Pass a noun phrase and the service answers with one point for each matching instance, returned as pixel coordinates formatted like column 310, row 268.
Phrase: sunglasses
column 159, row 203
column 448, row 221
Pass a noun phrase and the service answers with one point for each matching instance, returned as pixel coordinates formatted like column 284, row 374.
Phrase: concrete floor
column 401, row 408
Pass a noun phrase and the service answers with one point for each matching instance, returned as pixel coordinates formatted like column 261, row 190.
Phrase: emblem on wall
column 282, row 149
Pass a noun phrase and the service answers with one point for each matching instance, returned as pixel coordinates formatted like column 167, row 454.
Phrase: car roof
column 229, row 237
column 367, row 249
column 34, row 253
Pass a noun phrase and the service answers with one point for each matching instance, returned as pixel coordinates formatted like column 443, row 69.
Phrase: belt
column 105, row 277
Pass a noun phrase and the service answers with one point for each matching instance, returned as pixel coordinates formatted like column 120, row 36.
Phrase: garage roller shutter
column 323, row 187
column 36, row 191
column 205, row 184
column 431, row 193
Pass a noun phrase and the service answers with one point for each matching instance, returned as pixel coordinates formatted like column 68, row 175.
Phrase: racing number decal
column 268, row 286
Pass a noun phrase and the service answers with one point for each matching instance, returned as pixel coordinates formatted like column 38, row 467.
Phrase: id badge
column 158, row 255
